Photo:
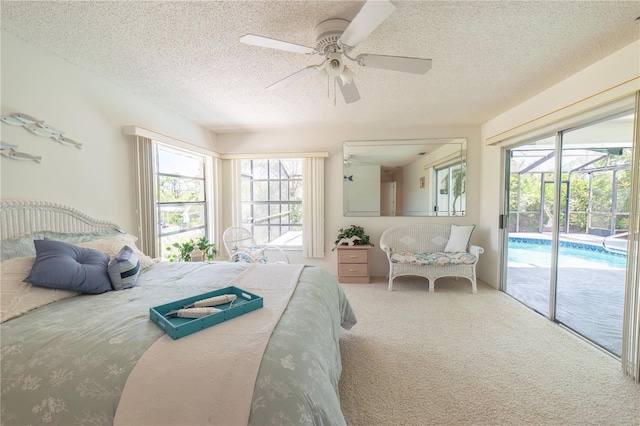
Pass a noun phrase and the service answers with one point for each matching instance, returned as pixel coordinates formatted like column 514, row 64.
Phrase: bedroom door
column 387, row 198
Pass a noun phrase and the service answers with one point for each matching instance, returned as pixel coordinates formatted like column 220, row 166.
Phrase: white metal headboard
column 22, row 217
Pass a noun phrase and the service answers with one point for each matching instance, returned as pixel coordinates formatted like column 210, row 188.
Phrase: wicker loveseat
column 419, row 249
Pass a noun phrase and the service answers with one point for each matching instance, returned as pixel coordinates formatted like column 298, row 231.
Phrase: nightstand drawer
column 353, row 270
column 353, row 256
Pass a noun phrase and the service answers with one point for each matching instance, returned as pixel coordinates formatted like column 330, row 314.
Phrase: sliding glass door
column 531, row 187
column 596, row 163
column 568, row 214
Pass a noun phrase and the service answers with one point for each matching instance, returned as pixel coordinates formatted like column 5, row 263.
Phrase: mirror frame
column 416, row 170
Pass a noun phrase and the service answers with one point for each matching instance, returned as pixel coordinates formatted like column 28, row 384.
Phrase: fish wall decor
column 39, row 128
column 7, row 146
column 10, row 151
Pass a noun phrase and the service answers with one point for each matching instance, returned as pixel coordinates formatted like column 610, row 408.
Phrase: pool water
column 539, row 254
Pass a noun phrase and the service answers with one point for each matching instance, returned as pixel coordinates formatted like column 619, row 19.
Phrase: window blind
column 145, row 175
column 313, row 207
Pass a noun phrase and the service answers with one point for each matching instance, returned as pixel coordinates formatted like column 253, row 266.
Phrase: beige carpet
column 452, row 357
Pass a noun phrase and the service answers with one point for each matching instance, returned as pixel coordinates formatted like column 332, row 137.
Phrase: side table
column 353, row 264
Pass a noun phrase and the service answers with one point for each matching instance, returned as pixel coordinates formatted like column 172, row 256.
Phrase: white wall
column 97, row 179
column 606, row 80
column 415, row 198
column 364, row 189
column 609, row 79
column 328, row 139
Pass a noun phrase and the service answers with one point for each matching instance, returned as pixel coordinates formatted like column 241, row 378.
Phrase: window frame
column 448, row 170
column 205, row 204
column 248, row 176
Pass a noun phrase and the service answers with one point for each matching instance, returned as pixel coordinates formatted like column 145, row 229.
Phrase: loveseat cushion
column 248, row 254
column 436, row 258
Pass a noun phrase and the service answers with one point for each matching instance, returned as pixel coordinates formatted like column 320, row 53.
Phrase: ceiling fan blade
column 395, row 63
column 294, row 77
column 349, row 91
column 272, row 43
column 372, row 14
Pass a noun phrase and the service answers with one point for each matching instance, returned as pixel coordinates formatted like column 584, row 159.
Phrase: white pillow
column 459, row 238
column 112, row 245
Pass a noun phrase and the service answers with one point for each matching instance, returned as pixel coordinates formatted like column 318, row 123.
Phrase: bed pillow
column 18, row 297
column 68, row 267
column 113, row 244
column 459, row 238
column 79, row 237
column 18, row 247
column 123, row 269
column 23, row 246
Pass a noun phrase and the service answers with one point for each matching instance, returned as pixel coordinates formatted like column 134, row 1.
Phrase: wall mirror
column 415, row 177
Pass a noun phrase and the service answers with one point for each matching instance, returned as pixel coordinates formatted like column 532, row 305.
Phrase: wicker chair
column 418, row 244
column 242, row 247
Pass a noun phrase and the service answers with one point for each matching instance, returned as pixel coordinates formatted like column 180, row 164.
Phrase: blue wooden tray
column 180, row 327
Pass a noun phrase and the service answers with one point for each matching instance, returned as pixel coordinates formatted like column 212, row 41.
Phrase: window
column 272, row 200
column 450, row 190
column 181, row 200
column 280, row 199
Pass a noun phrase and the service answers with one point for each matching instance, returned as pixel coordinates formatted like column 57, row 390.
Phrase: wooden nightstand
column 353, row 264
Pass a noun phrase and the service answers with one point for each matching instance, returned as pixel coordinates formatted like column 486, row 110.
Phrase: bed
column 76, row 358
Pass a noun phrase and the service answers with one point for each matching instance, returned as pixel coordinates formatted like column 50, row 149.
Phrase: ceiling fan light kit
column 335, row 39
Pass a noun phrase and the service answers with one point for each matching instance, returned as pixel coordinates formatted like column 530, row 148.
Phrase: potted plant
column 185, row 249
column 353, row 235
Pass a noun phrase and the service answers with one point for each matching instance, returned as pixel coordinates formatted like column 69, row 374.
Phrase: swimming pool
column 537, row 252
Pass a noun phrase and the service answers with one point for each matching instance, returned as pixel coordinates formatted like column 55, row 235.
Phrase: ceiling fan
column 335, row 39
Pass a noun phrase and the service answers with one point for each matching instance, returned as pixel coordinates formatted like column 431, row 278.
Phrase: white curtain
column 145, row 175
column 631, row 318
column 235, row 192
column 313, row 207
column 214, row 220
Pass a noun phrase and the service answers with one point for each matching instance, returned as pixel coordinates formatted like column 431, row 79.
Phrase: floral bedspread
column 67, row 362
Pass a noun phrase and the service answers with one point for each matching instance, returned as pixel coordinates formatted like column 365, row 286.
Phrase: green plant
column 353, row 231
column 185, row 249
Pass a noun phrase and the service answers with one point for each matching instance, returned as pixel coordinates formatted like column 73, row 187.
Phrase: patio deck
column 589, row 297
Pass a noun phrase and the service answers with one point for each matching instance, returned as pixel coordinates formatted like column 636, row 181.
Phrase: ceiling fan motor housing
column 328, row 33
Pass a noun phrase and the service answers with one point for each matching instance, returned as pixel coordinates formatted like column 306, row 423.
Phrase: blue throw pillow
column 124, row 268
column 65, row 266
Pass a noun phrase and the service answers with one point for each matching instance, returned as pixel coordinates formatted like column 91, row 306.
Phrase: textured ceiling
column 487, row 56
